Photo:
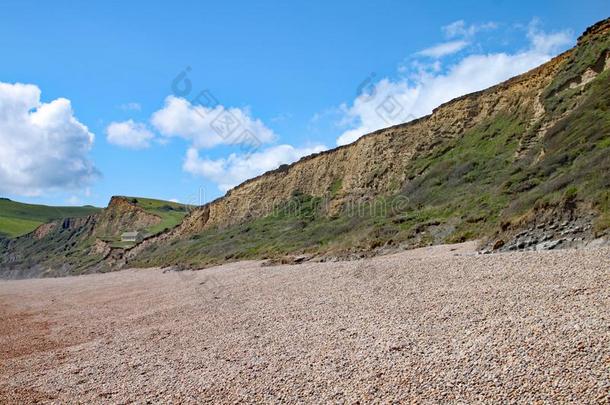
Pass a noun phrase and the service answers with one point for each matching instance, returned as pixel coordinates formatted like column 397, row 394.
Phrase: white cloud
column 209, row 127
column 444, row 49
column 392, row 102
column 371, row 111
column 174, row 200
column 461, row 29
column 229, row 172
column 129, row 134
column 458, row 29
column 547, row 43
column 43, row 146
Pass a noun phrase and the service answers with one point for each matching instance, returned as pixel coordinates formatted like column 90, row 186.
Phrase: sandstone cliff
column 123, row 214
column 473, row 169
column 378, row 163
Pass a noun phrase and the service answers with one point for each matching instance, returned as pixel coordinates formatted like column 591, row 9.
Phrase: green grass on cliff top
column 17, row 218
column 171, row 213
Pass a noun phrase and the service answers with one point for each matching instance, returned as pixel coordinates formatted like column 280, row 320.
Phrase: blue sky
column 102, row 117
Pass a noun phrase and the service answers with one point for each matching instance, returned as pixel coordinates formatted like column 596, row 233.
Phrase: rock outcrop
column 123, row 215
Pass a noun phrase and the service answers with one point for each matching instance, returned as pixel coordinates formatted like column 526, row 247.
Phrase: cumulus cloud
column 426, row 86
column 229, row 172
column 129, row 134
column 209, row 127
column 444, row 49
column 44, row 147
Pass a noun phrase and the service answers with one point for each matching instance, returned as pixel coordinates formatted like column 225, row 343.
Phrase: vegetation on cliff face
column 458, row 196
column 465, row 188
column 138, row 214
column 302, row 224
column 543, row 148
column 171, row 213
column 58, row 248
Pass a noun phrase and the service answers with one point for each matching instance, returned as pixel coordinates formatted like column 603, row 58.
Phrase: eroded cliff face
column 521, row 165
column 72, row 245
column 123, row 215
column 377, row 163
column 527, row 113
column 53, row 249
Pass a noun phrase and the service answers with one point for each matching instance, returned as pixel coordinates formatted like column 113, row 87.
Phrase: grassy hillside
column 71, row 247
column 171, row 213
column 459, row 195
column 17, row 218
